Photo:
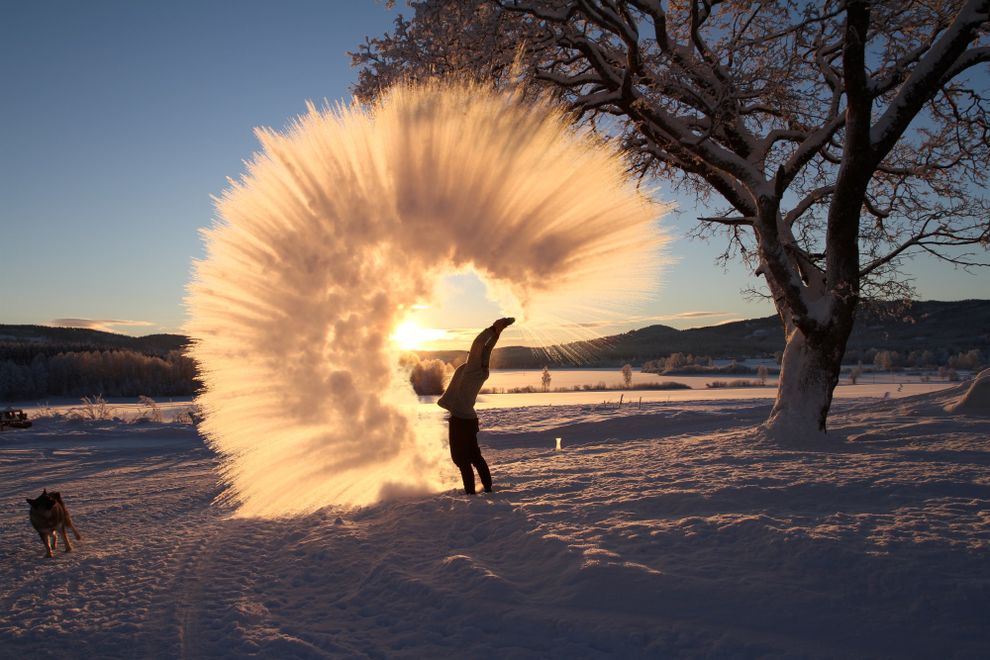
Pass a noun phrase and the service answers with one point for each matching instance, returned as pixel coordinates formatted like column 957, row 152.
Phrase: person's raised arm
column 491, row 335
column 484, row 338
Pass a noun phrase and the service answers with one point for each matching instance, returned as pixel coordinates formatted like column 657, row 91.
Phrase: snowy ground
column 659, row 531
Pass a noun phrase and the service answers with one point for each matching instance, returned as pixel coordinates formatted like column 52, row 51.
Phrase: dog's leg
column 47, row 540
column 65, row 538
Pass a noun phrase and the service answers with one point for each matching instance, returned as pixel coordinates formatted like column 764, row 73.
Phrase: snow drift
column 346, row 221
column 976, row 399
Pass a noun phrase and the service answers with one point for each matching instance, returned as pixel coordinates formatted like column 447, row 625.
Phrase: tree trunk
column 809, row 373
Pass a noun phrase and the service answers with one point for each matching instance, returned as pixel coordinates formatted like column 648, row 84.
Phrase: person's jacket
column 462, row 391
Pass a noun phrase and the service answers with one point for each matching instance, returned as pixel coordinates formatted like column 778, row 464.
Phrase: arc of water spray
column 350, row 217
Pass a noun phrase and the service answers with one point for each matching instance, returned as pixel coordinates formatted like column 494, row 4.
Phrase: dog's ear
column 55, row 496
column 44, row 491
column 29, row 501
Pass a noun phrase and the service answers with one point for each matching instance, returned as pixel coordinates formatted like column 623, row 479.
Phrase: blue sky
column 121, row 119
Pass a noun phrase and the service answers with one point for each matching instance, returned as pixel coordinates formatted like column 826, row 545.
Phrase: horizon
column 468, row 333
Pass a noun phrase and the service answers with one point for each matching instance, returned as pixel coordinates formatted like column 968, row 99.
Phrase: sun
column 410, row 335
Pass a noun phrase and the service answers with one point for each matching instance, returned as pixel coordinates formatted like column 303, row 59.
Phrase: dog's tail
column 68, row 518
column 68, row 521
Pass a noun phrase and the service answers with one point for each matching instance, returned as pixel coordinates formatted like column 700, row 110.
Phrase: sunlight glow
column 411, row 336
column 343, row 230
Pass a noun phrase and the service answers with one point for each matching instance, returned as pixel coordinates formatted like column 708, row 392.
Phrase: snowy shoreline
column 886, row 388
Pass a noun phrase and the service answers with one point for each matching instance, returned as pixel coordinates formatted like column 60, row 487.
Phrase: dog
column 48, row 516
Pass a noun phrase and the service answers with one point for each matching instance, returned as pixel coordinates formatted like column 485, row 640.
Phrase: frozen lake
column 863, row 390
column 612, row 377
column 877, row 385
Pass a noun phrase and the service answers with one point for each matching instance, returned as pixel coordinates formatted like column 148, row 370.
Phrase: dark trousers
column 464, row 451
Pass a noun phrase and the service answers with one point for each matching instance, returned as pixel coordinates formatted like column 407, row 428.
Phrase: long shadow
column 624, row 428
column 481, row 575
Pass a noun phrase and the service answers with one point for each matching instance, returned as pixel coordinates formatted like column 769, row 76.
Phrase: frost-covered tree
column 429, row 376
column 627, row 375
column 113, row 373
column 545, row 379
column 971, row 360
column 675, row 361
column 834, row 137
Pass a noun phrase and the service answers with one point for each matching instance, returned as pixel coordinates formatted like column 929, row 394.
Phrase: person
column 459, row 400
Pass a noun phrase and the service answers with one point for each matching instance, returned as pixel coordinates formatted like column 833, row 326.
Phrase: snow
column 658, row 531
column 976, row 400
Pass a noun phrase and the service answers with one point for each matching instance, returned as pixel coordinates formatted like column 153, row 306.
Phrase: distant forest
column 36, row 362
column 111, row 373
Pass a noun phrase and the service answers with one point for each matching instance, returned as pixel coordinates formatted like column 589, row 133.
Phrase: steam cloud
column 346, row 221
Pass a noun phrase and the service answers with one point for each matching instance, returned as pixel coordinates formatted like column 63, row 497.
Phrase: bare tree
column 627, row 375
column 838, row 136
column 545, row 379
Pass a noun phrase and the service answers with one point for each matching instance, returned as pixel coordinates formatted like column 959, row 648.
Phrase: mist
column 346, row 220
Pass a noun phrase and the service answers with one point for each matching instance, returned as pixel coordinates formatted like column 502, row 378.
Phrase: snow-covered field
column 658, row 531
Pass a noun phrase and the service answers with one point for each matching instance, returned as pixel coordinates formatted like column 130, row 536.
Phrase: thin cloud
column 692, row 315
column 455, row 338
column 646, row 320
column 106, row 325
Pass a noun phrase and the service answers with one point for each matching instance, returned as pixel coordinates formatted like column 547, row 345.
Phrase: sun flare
column 411, row 336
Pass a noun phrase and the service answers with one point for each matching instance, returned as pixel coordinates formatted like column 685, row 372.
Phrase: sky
column 120, row 120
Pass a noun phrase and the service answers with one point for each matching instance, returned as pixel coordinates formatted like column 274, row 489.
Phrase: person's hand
column 503, row 323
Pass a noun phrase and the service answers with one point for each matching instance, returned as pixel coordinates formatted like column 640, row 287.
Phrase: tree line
column 888, row 360
column 97, row 372
column 879, row 359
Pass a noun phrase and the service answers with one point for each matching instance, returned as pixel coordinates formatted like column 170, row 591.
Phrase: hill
column 47, row 340
column 940, row 327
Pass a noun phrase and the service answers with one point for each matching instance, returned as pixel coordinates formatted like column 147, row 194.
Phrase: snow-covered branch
column 858, row 114
column 929, row 75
